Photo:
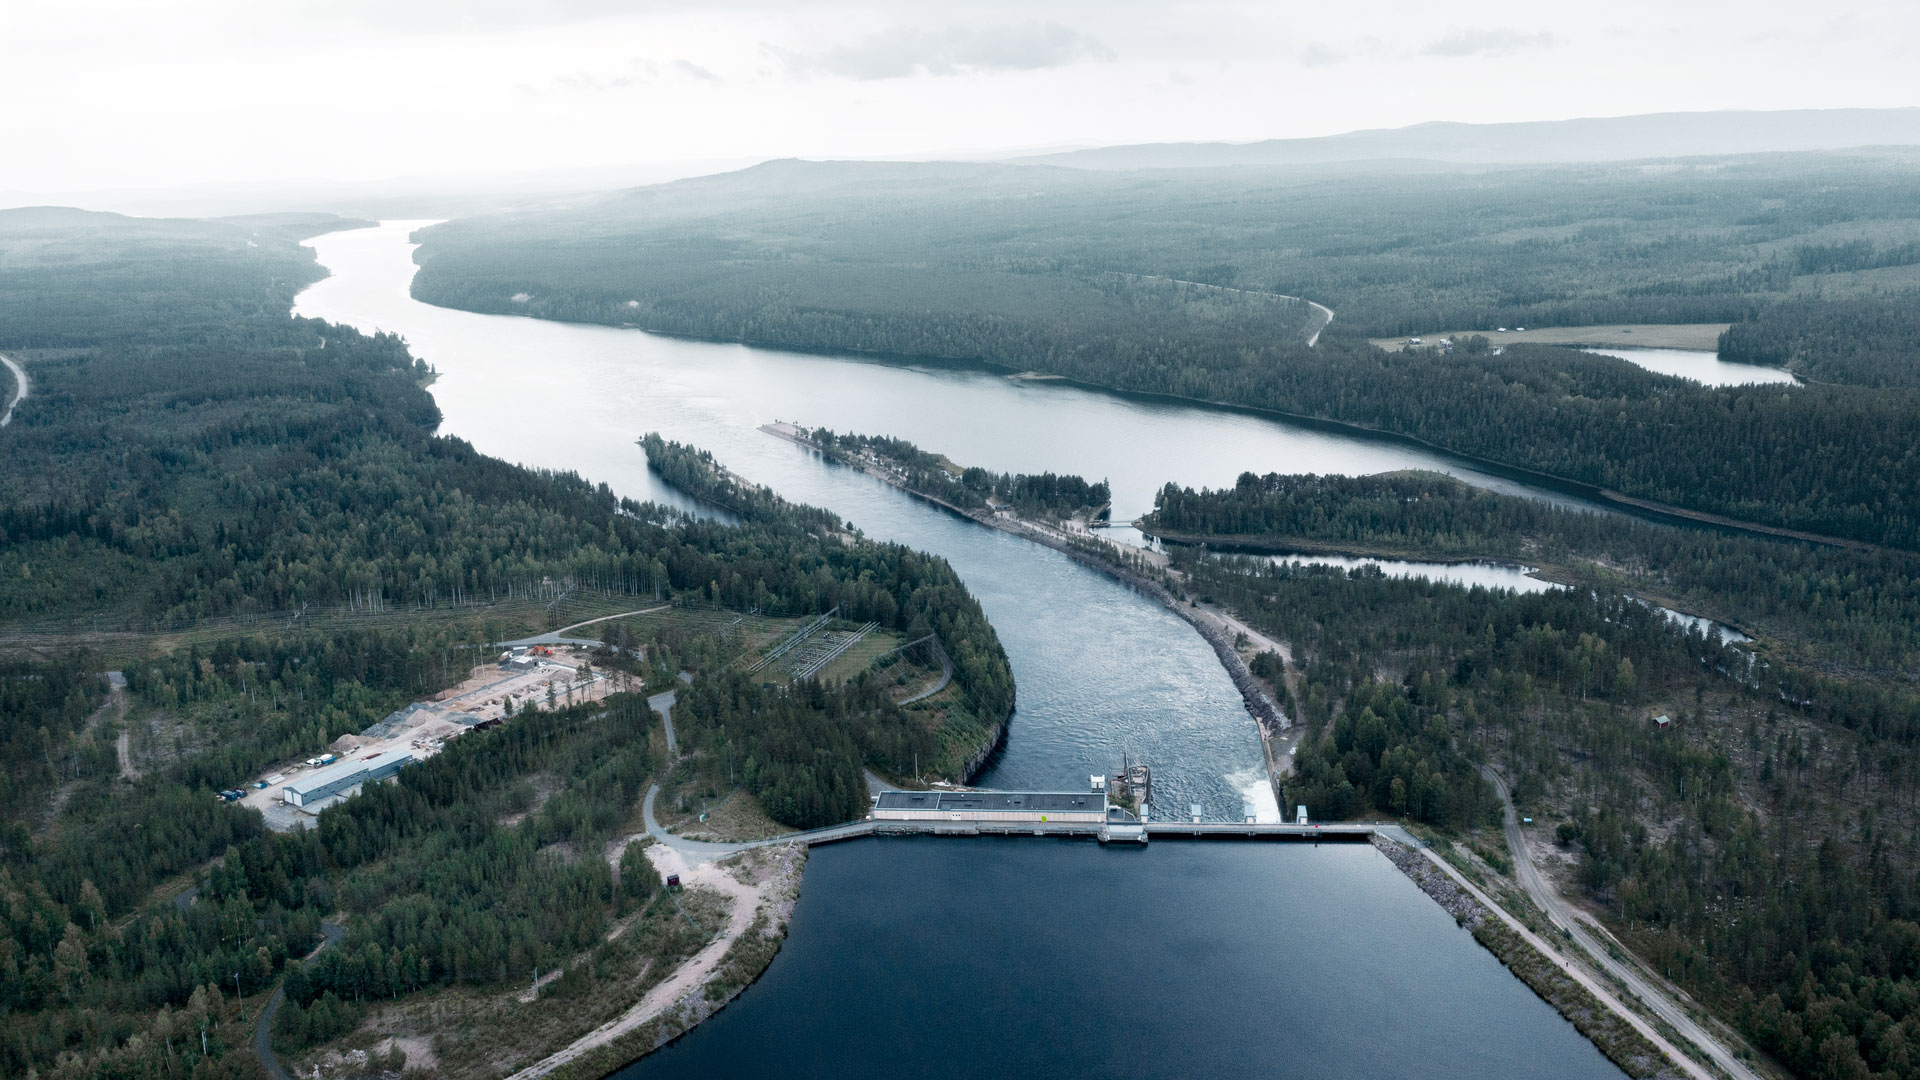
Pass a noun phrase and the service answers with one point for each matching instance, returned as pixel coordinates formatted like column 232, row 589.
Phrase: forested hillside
column 1081, row 274
column 1759, row 849
column 891, row 584
column 1035, row 495
column 1765, row 861
column 857, row 255
column 191, row 450
column 1847, row 611
column 1864, row 341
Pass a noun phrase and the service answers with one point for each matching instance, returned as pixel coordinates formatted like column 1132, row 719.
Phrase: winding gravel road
column 25, row 387
column 1543, row 894
column 263, row 1031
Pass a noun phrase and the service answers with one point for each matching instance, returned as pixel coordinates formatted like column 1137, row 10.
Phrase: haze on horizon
column 126, row 95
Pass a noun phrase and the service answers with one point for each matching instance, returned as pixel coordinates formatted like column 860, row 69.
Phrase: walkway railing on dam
column 1338, row 832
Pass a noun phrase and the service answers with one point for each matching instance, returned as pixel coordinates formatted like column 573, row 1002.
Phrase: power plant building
column 325, row 783
column 992, row 806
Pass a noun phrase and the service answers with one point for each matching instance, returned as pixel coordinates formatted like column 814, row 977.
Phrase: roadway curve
column 699, row 851
column 1543, row 894
column 946, row 676
column 263, row 1031
column 1314, row 338
column 20, row 394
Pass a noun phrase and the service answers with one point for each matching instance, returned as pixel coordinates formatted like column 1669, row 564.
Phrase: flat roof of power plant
column 987, row 802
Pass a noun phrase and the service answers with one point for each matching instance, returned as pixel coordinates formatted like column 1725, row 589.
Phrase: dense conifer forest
column 1769, row 773
column 1862, row 341
column 191, row 451
column 1037, row 495
column 1179, row 283
column 1843, row 610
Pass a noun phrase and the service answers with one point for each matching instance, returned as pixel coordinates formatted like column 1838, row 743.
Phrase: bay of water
column 1699, row 365
column 1490, row 575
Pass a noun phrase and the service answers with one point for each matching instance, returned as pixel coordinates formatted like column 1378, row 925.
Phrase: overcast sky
column 158, row 93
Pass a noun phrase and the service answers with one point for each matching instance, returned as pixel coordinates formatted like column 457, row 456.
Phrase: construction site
column 532, row 676
column 554, row 671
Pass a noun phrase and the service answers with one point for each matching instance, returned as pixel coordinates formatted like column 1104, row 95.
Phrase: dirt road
column 20, row 394
column 687, row 980
column 1578, row 974
column 1549, row 900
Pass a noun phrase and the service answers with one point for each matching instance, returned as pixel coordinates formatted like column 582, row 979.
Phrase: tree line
column 1859, row 341
column 1843, row 610
column 1178, row 285
column 1759, row 848
column 1036, row 495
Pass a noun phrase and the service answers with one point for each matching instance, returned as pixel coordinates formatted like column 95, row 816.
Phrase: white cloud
column 137, row 93
column 956, row 50
column 1489, row 43
column 1319, row 54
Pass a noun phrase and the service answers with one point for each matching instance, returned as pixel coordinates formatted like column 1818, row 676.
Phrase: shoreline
column 1605, row 498
column 1555, row 572
column 702, row 985
column 1106, row 557
column 1621, row 1035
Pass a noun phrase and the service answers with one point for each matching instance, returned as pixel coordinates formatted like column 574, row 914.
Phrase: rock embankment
column 1609, row 1026
column 1445, row 891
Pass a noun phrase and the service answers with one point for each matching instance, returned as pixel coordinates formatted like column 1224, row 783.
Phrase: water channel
column 1100, row 671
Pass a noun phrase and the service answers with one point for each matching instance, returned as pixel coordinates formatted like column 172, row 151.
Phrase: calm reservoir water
column 1053, row 957
column 996, row 957
column 1699, row 365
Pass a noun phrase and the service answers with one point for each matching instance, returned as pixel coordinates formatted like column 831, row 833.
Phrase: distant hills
column 1617, row 138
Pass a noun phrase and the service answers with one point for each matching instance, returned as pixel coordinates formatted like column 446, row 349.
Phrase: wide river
column 1328, row 960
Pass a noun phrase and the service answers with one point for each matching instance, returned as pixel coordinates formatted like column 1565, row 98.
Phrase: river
column 1100, row 670
column 1492, row 575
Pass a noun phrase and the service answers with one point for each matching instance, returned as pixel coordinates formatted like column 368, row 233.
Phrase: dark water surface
column 1005, row 957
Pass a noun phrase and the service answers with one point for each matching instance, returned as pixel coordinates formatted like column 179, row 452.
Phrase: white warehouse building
column 334, row 779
